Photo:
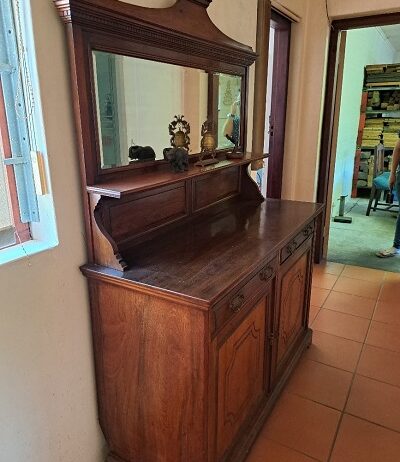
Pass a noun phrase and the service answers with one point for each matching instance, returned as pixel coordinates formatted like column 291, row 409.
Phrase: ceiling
column 392, row 33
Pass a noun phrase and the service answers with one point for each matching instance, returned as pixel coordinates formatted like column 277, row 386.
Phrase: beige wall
column 47, row 393
column 348, row 8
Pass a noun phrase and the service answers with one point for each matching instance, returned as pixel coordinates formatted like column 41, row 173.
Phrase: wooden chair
column 380, row 185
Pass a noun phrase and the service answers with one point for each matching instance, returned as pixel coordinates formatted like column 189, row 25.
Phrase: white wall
column 363, row 46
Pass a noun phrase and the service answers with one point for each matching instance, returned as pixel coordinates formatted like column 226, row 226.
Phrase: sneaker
column 392, row 252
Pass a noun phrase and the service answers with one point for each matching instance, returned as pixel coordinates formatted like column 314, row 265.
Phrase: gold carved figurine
column 208, row 145
column 179, row 130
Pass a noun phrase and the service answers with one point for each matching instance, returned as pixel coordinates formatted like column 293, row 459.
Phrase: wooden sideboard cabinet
column 199, row 288
column 191, row 374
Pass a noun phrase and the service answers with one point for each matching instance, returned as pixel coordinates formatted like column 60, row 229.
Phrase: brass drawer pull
column 266, row 273
column 237, row 303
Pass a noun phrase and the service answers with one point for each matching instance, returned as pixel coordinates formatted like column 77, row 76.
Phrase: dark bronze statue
column 178, row 158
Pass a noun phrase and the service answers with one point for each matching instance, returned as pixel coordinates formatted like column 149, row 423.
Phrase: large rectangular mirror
column 136, row 101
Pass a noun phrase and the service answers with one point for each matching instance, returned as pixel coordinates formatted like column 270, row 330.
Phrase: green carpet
column 357, row 243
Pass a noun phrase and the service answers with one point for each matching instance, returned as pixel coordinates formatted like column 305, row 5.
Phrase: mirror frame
column 190, row 39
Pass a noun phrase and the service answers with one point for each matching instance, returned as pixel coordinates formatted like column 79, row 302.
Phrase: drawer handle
column 266, row 273
column 237, row 303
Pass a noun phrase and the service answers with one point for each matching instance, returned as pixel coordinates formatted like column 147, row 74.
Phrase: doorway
column 269, row 178
column 361, row 51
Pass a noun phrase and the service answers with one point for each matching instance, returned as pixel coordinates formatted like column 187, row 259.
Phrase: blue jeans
column 396, row 242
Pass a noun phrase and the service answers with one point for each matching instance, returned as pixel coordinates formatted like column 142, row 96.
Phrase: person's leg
column 395, row 250
column 396, row 242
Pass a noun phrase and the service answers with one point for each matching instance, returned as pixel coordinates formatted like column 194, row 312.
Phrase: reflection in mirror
column 136, row 101
column 229, row 88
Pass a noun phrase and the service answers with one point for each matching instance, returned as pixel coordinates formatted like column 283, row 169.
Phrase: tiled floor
column 342, row 403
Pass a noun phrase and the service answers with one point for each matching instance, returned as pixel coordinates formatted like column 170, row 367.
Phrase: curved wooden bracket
column 106, row 250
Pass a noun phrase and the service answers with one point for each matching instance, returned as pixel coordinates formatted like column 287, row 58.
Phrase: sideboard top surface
column 203, row 260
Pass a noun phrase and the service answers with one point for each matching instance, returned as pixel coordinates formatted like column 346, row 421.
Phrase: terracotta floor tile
column 265, row 450
column 351, row 286
column 329, row 267
column 334, row 351
column 379, row 364
column 365, row 274
column 390, row 277
column 313, row 313
column 318, row 296
column 375, row 401
column 350, row 304
column 321, row 383
column 324, row 280
column 361, row 441
column 383, row 336
column 390, row 292
column 387, row 312
column 303, row 425
column 342, row 325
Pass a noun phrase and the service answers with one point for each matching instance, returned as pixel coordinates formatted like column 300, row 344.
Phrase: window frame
column 43, row 232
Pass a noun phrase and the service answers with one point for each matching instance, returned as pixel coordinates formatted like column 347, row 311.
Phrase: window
column 26, row 210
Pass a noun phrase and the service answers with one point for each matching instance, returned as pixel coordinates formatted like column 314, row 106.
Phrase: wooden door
column 293, row 306
column 241, row 363
column 277, row 119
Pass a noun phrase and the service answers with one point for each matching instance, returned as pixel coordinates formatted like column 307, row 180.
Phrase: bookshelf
column 379, row 121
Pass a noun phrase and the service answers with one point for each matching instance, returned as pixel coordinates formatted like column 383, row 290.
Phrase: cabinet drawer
column 296, row 242
column 241, row 297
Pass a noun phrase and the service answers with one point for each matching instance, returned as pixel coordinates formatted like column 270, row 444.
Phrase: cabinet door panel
column 292, row 307
column 240, row 375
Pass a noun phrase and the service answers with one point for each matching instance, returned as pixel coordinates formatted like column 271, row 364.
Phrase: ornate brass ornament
column 179, row 130
column 208, row 145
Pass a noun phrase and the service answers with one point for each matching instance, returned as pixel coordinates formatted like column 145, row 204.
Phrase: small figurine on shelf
column 179, row 130
column 208, row 145
column 178, row 155
column 234, row 154
column 141, row 153
column 231, row 130
column 178, row 158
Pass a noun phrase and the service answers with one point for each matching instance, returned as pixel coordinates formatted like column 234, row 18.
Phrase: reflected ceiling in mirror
column 136, row 101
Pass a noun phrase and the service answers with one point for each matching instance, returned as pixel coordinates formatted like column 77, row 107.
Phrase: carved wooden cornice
column 151, row 27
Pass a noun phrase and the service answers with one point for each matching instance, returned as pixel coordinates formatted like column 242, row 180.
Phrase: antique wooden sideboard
column 199, row 288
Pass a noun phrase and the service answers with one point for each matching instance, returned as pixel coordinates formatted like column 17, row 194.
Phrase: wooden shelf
column 120, row 187
column 382, row 88
column 383, row 112
column 370, row 148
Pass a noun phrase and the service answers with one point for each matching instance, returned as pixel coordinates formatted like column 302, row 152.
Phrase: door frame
column 279, row 93
column 326, row 170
